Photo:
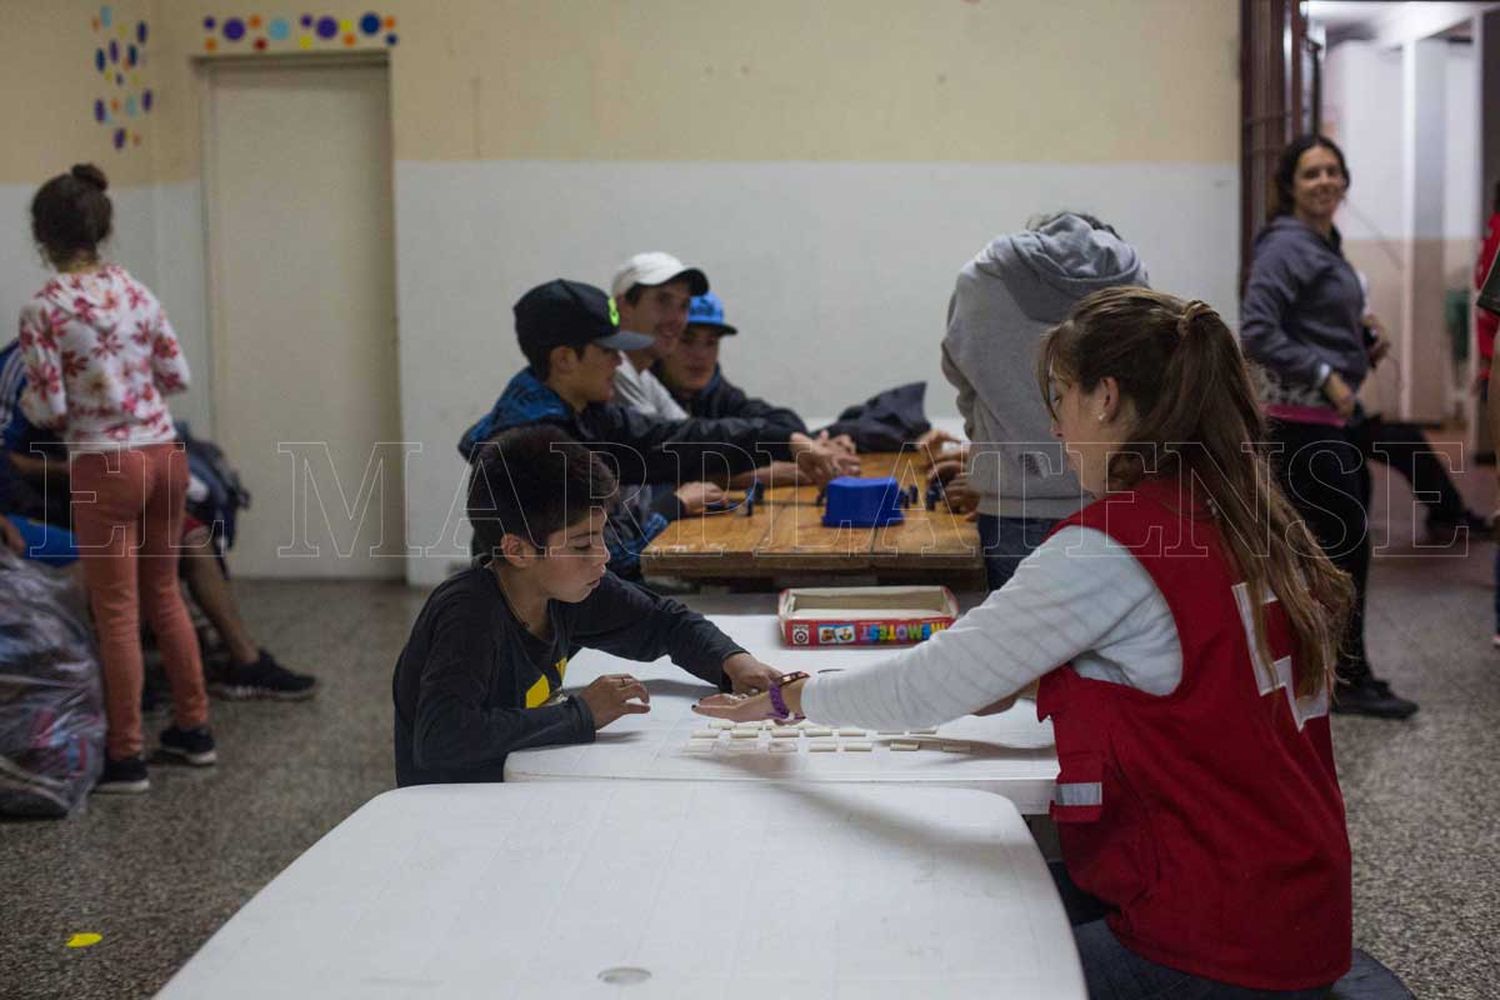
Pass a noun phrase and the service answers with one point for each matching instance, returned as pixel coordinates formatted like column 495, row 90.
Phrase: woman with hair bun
column 1304, row 323
column 100, row 358
column 1180, row 630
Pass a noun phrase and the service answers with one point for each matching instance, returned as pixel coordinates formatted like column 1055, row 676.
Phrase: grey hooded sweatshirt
column 1007, row 297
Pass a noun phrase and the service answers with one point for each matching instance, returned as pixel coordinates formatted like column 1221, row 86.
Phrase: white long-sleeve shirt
column 1080, row 598
column 643, row 391
column 100, row 359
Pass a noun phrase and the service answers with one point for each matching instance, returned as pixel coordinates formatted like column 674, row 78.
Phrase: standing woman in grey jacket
column 1304, row 324
column 1007, row 298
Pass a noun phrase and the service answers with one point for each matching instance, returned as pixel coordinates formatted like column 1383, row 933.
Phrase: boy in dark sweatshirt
column 569, row 332
column 482, row 672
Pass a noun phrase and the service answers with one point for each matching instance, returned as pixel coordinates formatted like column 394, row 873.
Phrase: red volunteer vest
column 1209, row 818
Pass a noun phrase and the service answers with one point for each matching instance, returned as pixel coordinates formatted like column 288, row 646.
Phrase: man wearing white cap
column 652, row 291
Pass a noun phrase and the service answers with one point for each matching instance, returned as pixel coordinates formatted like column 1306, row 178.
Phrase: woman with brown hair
column 1306, row 327
column 1180, row 629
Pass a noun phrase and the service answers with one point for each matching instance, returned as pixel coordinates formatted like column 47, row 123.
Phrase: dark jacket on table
column 1303, row 309
column 721, row 398
column 641, row 450
column 472, row 684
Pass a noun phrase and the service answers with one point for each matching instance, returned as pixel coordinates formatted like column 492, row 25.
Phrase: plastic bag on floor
column 51, row 703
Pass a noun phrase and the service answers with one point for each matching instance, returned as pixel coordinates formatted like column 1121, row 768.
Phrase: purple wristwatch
column 778, row 702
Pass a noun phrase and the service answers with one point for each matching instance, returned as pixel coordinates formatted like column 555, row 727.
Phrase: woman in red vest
column 1194, row 617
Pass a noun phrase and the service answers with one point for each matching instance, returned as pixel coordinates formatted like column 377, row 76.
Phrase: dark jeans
column 1114, row 972
column 1006, row 541
column 1323, row 472
column 1407, row 451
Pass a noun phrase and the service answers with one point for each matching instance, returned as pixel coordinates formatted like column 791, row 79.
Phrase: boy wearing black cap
column 481, row 673
column 569, row 332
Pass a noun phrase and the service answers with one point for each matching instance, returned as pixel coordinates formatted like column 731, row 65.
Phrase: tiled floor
column 156, row 875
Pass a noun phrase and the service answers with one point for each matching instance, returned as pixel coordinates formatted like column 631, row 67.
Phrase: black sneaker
column 123, row 777
column 196, row 746
column 265, row 678
column 1371, row 697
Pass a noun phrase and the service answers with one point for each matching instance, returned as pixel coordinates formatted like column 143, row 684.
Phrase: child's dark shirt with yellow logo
column 473, row 684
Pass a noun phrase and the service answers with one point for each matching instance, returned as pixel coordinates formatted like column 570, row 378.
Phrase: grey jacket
column 1303, row 313
column 1007, row 297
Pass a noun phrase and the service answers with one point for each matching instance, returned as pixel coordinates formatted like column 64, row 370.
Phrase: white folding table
column 1011, row 754
column 641, row 889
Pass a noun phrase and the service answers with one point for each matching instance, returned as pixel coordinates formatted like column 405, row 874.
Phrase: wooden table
column 786, row 536
column 659, row 890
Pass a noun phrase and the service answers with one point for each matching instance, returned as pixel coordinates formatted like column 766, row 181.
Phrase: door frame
column 204, row 68
column 204, row 71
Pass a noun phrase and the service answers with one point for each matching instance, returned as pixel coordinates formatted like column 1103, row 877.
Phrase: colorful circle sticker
column 106, row 16
column 327, row 27
column 146, row 100
column 260, row 45
column 234, row 29
column 209, row 24
column 370, row 23
column 99, row 60
column 131, row 54
column 140, row 32
column 100, row 112
column 307, row 20
column 119, row 138
column 390, row 39
column 130, row 105
column 114, row 51
column 279, row 29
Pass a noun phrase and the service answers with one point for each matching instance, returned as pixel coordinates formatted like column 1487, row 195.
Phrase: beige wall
column 1084, row 81
column 50, row 84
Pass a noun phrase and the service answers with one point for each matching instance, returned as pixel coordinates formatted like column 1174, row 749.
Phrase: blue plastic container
column 862, row 503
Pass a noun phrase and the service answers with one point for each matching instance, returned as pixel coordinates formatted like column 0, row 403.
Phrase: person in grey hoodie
column 1304, row 325
column 1007, row 297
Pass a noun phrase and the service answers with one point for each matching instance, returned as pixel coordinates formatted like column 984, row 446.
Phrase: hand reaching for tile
column 614, row 695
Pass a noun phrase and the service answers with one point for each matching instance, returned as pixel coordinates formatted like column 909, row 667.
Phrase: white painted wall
column 1462, row 198
column 837, row 274
column 1364, row 98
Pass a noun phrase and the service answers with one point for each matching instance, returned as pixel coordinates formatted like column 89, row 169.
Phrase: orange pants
column 128, row 509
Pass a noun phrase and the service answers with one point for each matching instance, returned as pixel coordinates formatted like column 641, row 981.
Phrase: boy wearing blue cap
column 691, row 372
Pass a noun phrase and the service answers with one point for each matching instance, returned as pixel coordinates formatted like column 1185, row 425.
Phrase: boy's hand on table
column 818, row 462
column 696, row 497
column 843, row 442
column 748, row 674
column 614, row 695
